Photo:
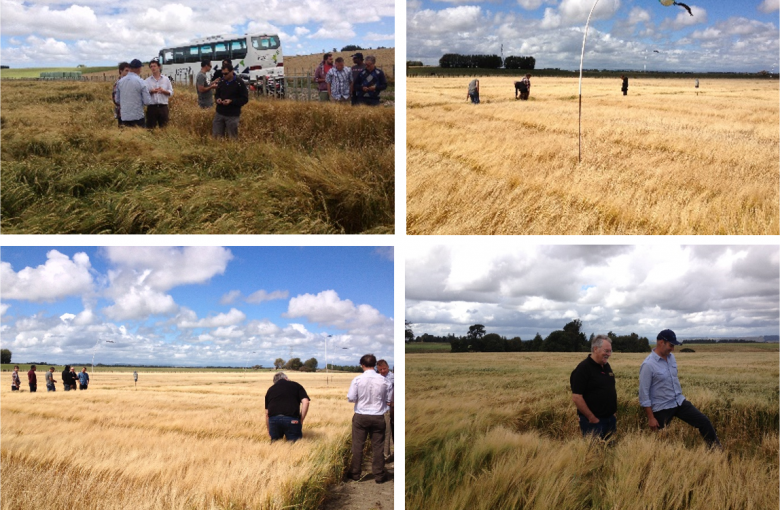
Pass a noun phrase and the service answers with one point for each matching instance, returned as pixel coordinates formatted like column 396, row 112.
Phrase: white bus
column 256, row 57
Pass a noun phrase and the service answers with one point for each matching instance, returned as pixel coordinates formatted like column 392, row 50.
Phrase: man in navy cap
column 660, row 393
column 132, row 95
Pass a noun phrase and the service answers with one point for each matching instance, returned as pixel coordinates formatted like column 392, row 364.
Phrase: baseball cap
column 668, row 336
column 135, row 63
column 359, row 55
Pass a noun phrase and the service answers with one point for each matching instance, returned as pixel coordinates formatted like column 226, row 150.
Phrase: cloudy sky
column 196, row 305
column 39, row 33
column 695, row 291
column 722, row 35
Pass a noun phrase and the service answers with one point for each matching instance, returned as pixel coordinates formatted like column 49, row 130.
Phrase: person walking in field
column 83, row 379
column 32, row 379
column 231, row 95
column 67, row 378
column 660, row 393
column 205, row 96
column 624, row 87
column 286, row 405
column 132, row 95
column 370, row 83
column 16, row 382
column 339, row 82
column 473, row 91
column 593, row 391
column 357, row 68
column 160, row 90
column 50, row 380
column 384, row 370
column 371, row 394
column 525, row 88
column 124, row 68
column 320, row 76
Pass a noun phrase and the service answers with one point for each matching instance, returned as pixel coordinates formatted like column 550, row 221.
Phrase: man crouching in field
column 286, row 405
column 593, row 391
column 660, row 393
column 371, row 394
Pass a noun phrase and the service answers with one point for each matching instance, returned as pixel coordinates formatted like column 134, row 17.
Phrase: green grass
column 297, row 168
column 35, row 72
column 421, row 347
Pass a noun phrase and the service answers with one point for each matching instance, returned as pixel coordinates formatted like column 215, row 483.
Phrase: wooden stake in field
column 582, row 57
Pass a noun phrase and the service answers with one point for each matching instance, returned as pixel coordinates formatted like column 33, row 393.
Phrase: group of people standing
column 372, row 392
column 359, row 84
column 660, row 394
column 69, row 379
column 132, row 93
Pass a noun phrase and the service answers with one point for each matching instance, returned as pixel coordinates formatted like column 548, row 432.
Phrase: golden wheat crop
column 659, row 161
column 489, row 431
column 194, row 441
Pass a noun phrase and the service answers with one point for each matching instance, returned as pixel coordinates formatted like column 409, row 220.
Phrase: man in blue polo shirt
column 593, row 391
column 660, row 393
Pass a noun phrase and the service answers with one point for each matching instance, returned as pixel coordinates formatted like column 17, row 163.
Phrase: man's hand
column 653, row 423
column 593, row 419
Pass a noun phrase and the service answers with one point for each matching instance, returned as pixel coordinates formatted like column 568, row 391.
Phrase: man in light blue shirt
column 132, row 95
column 660, row 393
column 371, row 394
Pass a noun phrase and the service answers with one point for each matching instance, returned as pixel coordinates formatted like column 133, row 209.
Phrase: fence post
column 309, row 78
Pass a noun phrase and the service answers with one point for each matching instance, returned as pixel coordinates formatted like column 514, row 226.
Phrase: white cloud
column 59, row 277
column 230, row 297
column 683, row 19
column 139, row 302
column 334, row 30
column 386, row 252
column 3, row 308
column 261, row 295
column 768, row 6
column 231, row 318
column 373, row 36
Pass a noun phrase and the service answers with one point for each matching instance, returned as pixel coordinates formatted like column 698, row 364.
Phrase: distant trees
column 454, row 60
column 569, row 339
column 351, row 47
column 519, row 62
column 408, row 333
column 345, row 368
column 279, row 363
column 5, row 356
column 414, row 63
column 311, row 363
column 293, row 364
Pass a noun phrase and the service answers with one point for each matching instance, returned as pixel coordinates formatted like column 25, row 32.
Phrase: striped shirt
column 339, row 82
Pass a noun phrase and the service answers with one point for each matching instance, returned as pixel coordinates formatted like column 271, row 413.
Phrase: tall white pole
column 582, row 57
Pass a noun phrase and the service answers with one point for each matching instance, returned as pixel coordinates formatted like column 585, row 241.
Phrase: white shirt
column 390, row 381
column 163, row 82
column 370, row 393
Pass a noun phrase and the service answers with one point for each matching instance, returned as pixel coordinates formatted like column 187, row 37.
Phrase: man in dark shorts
column 286, row 405
column 593, row 391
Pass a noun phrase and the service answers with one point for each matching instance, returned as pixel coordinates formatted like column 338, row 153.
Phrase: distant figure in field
column 370, row 82
column 523, row 87
column 32, row 380
column 73, row 377
column 132, row 95
column 473, row 91
column 124, row 68
column 135, row 377
column 660, row 393
column 16, row 382
column 231, row 95
column 384, row 370
column 160, row 88
column 320, row 74
column 593, row 391
column 339, row 81
column 286, row 405
column 370, row 393
column 696, row 86
column 624, row 88
column 83, row 379
column 50, row 380
column 67, row 378
column 357, row 67
column 205, row 97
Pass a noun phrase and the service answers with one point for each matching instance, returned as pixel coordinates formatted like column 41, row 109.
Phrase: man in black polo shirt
column 286, row 405
column 593, row 390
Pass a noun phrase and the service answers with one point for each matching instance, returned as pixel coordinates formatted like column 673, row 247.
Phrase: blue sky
column 104, row 32
column 196, row 305
column 721, row 35
column 521, row 290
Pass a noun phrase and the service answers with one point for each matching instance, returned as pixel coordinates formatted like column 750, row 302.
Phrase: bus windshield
column 265, row 43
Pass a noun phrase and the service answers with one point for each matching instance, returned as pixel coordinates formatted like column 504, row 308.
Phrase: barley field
column 660, row 161
column 296, row 168
column 499, row 431
column 194, row 441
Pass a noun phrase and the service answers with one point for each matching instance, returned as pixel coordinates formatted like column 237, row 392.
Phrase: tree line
column 455, row 60
column 569, row 339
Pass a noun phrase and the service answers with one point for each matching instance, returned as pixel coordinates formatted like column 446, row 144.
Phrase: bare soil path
column 365, row 494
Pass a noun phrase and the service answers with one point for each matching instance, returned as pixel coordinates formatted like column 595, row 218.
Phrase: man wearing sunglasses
column 231, row 95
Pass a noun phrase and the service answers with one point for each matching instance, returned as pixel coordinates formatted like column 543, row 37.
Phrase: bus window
column 221, row 52
column 206, row 52
column 192, row 54
column 178, row 55
column 237, row 49
column 167, row 57
column 265, row 43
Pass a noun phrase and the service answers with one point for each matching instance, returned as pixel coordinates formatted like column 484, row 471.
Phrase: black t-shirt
column 596, row 384
column 284, row 398
column 67, row 377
